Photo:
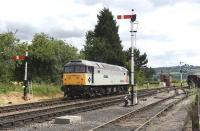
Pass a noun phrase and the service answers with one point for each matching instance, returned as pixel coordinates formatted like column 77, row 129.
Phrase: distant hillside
column 174, row 71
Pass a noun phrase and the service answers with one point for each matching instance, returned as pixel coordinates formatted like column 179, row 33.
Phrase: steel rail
column 125, row 116
column 48, row 113
column 68, row 106
column 27, row 106
column 160, row 112
column 42, row 115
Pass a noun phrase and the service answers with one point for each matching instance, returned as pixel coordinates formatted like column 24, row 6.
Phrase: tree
column 96, row 48
column 103, row 44
column 149, row 72
column 140, row 61
column 48, row 56
column 8, row 41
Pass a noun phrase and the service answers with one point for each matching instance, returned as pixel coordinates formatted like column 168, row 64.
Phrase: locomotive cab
column 78, row 75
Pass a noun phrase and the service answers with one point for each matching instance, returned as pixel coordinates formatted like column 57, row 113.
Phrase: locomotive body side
column 110, row 75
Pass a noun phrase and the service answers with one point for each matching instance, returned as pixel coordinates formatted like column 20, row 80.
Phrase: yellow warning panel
column 74, row 79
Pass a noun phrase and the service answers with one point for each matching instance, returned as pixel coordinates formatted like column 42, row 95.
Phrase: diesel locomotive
column 85, row 78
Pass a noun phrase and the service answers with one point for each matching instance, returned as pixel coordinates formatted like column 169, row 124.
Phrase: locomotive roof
column 96, row 65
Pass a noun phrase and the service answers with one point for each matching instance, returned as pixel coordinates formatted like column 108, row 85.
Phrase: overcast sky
column 168, row 30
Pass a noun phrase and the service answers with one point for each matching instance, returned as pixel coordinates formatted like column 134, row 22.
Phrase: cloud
column 63, row 19
column 155, row 37
column 24, row 31
column 76, row 42
column 89, row 2
column 168, row 30
column 159, row 3
column 173, row 58
column 196, row 23
column 64, row 34
column 125, row 6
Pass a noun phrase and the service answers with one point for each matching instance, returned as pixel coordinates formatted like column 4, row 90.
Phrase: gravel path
column 173, row 120
column 134, row 121
column 94, row 118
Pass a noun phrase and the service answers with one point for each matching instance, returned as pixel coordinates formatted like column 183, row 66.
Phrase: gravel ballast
column 94, row 118
column 172, row 120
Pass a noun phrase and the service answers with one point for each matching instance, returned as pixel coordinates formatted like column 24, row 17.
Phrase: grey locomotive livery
column 88, row 78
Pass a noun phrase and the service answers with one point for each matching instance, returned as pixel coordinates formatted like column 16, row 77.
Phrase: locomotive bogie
column 93, row 91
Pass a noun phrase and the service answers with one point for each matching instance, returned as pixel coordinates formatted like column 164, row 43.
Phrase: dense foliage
column 143, row 73
column 47, row 57
column 8, row 43
column 103, row 44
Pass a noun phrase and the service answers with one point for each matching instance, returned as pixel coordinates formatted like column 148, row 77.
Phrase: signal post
column 15, row 58
column 133, row 31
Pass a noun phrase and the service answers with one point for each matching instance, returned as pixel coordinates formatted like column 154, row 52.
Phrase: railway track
column 48, row 112
column 138, row 119
column 28, row 106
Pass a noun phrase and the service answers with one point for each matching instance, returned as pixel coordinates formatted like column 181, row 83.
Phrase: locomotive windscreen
column 75, row 69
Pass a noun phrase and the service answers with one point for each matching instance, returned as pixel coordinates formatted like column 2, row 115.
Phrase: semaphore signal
column 19, row 57
column 26, row 81
column 132, row 18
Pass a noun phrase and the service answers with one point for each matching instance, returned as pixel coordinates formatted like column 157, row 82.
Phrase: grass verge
column 38, row 89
